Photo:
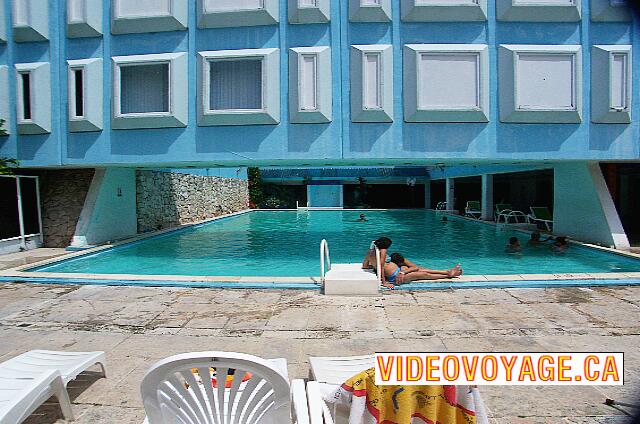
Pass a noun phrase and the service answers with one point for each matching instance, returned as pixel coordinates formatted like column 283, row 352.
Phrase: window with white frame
column 230, row 13
column 540, row 83
column 309, row 11
column 235, row 84
column 444, row 10
column 546, row 81
column 539, row 10
column 150, row 91
column 84, row 18
column 449, row 81
column 619, row 92
column 85, row 95
column 144, row 89
column 33, row 111
column 369, row 10
column 239, row 87
column 30, row 21
column 611, row 84
column 373, row 3
column 137, row 16
column 371, row 83
column 310, row 85
column 446, row 83
column 307, row 4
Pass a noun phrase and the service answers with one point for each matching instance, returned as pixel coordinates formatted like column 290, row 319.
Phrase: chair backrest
column 541, row 212
column 503, row 207
column 473, row 205
column 180, row 389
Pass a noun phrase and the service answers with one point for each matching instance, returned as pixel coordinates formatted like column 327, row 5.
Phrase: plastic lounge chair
column 505, row 214
column 183, row 389
column 473, row 209
column 329, row 373
column 502, row 209
column 541, row 214
column 28, row 380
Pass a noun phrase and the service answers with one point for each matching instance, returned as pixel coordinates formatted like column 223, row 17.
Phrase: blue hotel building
column 455, row 88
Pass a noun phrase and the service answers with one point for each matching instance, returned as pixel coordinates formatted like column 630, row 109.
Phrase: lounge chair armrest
column 318, row 410
column 299, row 402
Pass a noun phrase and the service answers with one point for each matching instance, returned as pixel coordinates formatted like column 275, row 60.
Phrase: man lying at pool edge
column 401, row 270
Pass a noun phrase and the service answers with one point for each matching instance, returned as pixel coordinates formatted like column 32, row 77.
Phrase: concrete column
column 487, row 197
column 427, row 194
column 583, row 207
column 450, row 192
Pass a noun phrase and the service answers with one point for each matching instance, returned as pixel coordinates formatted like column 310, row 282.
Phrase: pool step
column 350, row 279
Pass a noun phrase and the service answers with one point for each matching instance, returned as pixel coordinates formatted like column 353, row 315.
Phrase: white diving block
column 350, row 279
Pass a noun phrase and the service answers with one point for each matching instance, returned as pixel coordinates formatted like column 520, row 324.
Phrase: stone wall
column 62, row 196
column 167, row 199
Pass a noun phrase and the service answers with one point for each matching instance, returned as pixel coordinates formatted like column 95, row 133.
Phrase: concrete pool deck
column 137, row 326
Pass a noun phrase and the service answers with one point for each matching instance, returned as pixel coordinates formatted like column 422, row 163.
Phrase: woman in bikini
column 401, row 270
column 370, row 262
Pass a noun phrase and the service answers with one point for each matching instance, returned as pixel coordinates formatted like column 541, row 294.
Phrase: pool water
column 286, row 243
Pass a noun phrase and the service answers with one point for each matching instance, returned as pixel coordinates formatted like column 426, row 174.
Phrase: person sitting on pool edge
column 401, row 270
column 536, row 239
column 513, row 246
column 383, row 244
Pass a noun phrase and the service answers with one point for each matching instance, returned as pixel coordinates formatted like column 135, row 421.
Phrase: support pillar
column 487, row 197
column 450, row 192
column 427, row 194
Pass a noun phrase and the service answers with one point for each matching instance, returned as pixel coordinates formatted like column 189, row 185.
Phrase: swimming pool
column 286, row 243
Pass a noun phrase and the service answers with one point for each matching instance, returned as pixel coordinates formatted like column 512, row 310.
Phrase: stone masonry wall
column 167, row 199
column 62, row 195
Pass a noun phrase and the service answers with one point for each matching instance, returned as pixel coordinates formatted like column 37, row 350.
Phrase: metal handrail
column 324, row 255
column 379, row 270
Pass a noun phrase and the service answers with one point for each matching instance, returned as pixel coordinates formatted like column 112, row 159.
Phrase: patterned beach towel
column 371, row 404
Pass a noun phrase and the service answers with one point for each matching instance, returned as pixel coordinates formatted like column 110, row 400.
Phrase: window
column 136, row 16
column 310, row 85
column 540, row 84
column 84, row 18
column 4, row 97
column 611, row 10
column 446, row 83
column 25, row 96
column 150, row 91
column 372, row 83
column 76, row 11
column 144, row 88
column 240, row 87
column 232, row 13
column 30, row 21
column 611, row 84
column 236, row 85
column 539, row 10
column 308, row 93
column 85, row 95
column 546, row 82
column 309, row 11
column 33, row 111
column 444, row 10
column 436, row 74
column 369, row 10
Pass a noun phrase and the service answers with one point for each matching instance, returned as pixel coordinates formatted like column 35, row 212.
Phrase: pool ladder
column 347, row 279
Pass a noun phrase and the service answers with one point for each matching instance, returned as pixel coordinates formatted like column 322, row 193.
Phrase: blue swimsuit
column 392, row 277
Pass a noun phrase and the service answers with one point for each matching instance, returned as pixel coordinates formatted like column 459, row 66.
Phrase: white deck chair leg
column 103, row 367
column 60, row 392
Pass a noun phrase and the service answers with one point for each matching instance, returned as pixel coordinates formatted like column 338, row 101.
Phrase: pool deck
column 137, row 326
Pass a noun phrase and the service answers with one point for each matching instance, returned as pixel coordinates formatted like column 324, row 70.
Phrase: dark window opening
column 79, row 93
column 26, row 96
column 383, row 196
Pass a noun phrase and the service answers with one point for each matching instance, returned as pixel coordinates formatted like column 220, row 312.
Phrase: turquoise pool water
column 286, row 243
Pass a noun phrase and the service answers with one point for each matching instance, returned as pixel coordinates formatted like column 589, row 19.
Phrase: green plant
column 256, row 186
column 6, row 164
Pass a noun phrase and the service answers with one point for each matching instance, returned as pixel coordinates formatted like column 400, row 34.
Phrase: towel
column 371, row 404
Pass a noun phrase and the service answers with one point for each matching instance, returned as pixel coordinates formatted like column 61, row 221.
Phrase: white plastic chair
column 330, row 372
column 473, row 209
column 173, row 393
column 28, row 380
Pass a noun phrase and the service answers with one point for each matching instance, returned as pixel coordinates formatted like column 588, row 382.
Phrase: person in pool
column 514, row 246
column 560, row 245
column 369, row 262
column 363, row 218
column 536, row 239
column 401, row 270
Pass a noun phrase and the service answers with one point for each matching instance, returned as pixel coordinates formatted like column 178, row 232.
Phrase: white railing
column 379, row 269
column 324, row 256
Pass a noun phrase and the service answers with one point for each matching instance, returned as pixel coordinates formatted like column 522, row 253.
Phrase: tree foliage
column 6, row 164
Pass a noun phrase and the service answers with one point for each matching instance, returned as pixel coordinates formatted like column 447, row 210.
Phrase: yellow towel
column 371, row 404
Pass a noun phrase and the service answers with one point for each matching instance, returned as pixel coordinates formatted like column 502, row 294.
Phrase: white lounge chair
column 505, row 214
column 256, row 392
column 541, row 215
column 473, row 209
column 28, row 380
column 330, row 372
